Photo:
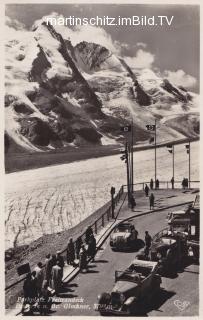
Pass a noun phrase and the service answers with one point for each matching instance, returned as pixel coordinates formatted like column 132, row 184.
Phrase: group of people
column 38, row 284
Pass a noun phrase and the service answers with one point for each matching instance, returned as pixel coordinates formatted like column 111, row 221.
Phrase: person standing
column 88, row 233
column 151, row 184
column 48, row 267
column 146, row 189
column 172, row 182
column 39, row 277
column 70, row 252
column 59, row 257
column 29, row 292
column 132, row 202
column 157, row 184
column 83, row 258
column 78, row 245
column 56, row 277
column 148, row 242
column 151, row 201
column 92, row 248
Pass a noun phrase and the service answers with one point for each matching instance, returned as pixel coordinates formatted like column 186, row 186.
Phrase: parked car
column 123, row 236
column 174, row 215
column 134, row 286
column 170, row 250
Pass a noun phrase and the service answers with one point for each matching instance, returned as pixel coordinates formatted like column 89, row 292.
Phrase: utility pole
column 125, row 157
column 155, row 152
column 173, row 154
column 132, row 165
column 188, row 151
column 189, row 164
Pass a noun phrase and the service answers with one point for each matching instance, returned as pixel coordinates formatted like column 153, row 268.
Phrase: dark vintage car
column 137, row 284
column 169, row 249
column 123, row 236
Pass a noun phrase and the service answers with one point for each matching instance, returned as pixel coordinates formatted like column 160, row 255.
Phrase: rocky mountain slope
column 60, row 95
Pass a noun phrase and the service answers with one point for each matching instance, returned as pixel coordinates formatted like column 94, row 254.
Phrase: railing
column 107, row 214
column 163, row 185
column 98, row 224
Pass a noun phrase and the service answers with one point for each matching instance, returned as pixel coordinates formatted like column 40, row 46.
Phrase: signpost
column 152, row 127
column 171, row 150
column 187, row 146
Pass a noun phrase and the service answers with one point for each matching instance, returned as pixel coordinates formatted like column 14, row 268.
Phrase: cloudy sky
column 172, row 51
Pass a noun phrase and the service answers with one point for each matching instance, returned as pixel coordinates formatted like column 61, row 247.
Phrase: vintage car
column 123, row 237
column 169, row 249
column 174, row 215
column 133, row 287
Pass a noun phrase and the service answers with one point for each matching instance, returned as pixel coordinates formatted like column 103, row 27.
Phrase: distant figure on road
column 185, row 183
column 151, row 184
column 151, row 201
column 157, row 184
column 70, row 252
column 132, row 202
column 56, row 277
column 83, row 258
column 78, row 245
column 146, row 189
column 172, row 182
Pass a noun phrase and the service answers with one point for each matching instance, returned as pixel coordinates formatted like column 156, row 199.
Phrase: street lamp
column 187, row 146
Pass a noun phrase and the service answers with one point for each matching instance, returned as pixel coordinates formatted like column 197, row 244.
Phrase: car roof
column 178, row 212
column 124, row 224
column 144, row 263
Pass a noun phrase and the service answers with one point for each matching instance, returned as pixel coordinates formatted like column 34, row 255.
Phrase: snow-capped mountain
column 60, row 94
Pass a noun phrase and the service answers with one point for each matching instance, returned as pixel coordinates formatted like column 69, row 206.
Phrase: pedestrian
column 151, row 201
column 172, row 182
column 70, row 252
column 92, row 248
column 48, row 267
column 29, row 292
column 157, row 184
column 132, row 202
column 59, row 257
column 183, row 183
column 78, row 245
column 186, row 183
column 45, row 300
column 56, row 277
column 39, row 277
column 151, row 184
column 148, row 240
column 83, row 258
column 146, row 189
column 88, row 233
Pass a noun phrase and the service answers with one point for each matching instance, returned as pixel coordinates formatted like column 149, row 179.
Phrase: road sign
column 150, row 127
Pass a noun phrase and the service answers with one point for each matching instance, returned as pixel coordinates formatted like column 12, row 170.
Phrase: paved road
column 179, row 296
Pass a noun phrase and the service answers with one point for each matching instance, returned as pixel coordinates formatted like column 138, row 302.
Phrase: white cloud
column 180, row 78
column 143, row 59
column 141, row 44
column 83, row 33
column 13, row 23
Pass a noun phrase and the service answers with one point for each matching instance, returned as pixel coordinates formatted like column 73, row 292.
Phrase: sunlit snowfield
column 53, row 199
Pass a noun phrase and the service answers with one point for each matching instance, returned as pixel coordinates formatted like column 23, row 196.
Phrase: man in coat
column 56, row 277
column 39, row 277
column 70, row 252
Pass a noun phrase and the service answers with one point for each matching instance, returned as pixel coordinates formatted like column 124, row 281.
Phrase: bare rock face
column 59, row 94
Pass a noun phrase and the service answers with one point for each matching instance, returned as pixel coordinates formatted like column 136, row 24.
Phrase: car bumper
column 113, row 312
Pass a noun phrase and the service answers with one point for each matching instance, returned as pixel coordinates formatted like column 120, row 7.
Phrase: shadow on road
column 158, row 300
